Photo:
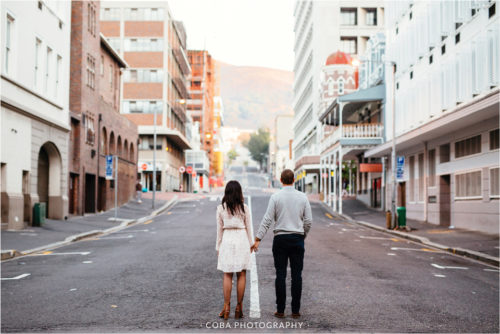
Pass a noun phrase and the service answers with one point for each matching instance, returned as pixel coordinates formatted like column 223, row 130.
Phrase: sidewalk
column 55, row 231
column 481, row 246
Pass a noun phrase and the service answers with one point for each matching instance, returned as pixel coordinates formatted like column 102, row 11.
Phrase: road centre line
column 254, row 278
column 14, row 278
column 447, row 267
column 417, row 250
column 123, row 237
column 130, row 231
column 52, row 253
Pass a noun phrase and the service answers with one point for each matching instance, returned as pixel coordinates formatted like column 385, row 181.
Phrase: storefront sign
column 370, row 168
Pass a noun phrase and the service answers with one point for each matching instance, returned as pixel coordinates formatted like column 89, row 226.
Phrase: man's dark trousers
column 288, row 246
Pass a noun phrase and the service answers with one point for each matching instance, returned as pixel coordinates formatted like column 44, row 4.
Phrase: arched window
column 341, row 86
column 125, row 149
column 112, row 143
column 132, row 154
column 330, row 87
column 104, row 141
column 119, row 146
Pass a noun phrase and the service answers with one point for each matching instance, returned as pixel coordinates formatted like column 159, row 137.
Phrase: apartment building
column 200, row 106
column 35, row 128
column 154, row 87
column 280, row 146
column 97, row 127
column 322, row 28
column 446, row 111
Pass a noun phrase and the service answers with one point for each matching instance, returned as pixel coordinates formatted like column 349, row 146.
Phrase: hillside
column 252, row 96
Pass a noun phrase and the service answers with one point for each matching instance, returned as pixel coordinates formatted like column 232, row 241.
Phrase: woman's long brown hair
column 233, row 198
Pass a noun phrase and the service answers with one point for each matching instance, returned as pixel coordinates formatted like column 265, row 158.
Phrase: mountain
column 252, row 96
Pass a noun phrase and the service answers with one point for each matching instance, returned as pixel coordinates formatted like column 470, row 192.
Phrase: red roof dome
column 339, row 58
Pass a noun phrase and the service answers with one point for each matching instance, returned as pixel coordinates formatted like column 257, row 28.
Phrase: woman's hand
column 255, row 247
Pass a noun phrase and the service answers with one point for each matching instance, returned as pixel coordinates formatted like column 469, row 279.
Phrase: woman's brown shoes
column 238, row 311
column 225, row 311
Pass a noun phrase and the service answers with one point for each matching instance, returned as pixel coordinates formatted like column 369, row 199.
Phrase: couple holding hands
column 290, row 211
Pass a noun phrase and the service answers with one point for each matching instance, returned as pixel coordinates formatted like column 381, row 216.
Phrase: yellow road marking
column 328, row 215
column 169, row 213
column 429, row 250
column 47, row 252
column 440, row 231
column 148, row 222
column 114, row 306
column 394, row 239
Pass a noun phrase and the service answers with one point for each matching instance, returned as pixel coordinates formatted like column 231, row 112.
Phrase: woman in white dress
column 234, row 239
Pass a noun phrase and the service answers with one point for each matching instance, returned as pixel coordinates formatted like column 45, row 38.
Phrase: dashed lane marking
column 391, row 254
column 494, row 270
column 448, row 267
column 14, row 278
column 87, row 262
column 439, row 275
column 52, row 253
column 417, row 250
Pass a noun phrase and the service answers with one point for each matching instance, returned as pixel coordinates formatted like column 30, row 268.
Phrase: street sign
column 189, row 169
column 109, row 167
column 194, row 173
column 400, row 168
column 144, row 166
column 182, row 169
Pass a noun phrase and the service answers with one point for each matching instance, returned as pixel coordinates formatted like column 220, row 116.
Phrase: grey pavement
column 459, row 238
column 161, row 276
column 57, row 230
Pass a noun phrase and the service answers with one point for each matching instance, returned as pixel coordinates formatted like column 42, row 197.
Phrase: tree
column 232, row 155
column 258, row 145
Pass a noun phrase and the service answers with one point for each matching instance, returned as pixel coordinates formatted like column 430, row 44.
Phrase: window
column 58, row 76
column 494, row 142
column 468, row 146
column 115, row 43
column 144, row 14
column 349, row 45
column 101, row 69
column 143, row 44
column 110, row 14
column 468, row 185
column 330, row 87
column 142, row 106
column 430, row 59
column 89, row 129
column 444, row 153
column 90, row 72
column 492, row 10
column 143, row 75
column 38, row 46
column 111, row 75
column 457, row 38
column 348, row 16
column 412, row 179
column 341, row 86
column 443, row 49
column 421, row 177
column 432, row 168
column 371, row 17
column 494, row 182
column 9, row 29
column 48, row 59
column 91, row 19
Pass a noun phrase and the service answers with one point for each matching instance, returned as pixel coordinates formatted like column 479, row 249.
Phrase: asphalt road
column 161, row 276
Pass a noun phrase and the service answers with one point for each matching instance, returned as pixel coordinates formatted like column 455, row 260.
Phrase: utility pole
column 393, row 155
column 154, row 160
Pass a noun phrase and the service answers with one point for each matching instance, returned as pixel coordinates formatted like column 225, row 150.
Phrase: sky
column 240, row 32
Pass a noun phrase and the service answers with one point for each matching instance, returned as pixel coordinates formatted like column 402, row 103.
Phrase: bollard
column 388, row 219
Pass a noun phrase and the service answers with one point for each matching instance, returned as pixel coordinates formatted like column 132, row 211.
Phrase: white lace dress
column 234, row 239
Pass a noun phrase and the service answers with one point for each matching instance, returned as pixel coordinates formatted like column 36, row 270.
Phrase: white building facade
column 34, row 119
column 447, row 111
column 321, row 28
column 281, row 155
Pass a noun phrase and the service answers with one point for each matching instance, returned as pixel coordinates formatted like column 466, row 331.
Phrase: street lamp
column 355, row 62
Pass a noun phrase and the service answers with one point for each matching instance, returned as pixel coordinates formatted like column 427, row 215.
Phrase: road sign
column 182, row 169
column 400, row 168
column 109, row 167
column 189, row 169
column 144, row 166
column 194, row 173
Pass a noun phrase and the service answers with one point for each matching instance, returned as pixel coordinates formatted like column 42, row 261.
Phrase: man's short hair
column 287, row 176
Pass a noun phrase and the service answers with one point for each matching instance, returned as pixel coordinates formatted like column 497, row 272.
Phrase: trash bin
column 39, row 213
column 401, row 211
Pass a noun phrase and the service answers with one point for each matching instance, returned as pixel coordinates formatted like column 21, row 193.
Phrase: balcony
column 353, row 134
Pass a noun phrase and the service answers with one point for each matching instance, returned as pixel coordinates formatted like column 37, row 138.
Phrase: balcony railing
column 352, row 131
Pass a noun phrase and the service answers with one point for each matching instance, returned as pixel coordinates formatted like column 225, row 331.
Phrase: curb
column 12, row 253
column 491, row 260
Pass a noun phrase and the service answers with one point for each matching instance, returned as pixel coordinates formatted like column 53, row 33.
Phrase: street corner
column 9, row 254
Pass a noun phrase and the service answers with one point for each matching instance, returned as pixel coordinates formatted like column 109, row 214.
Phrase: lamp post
column 356, row 63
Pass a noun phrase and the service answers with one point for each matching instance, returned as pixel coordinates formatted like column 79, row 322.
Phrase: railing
column 361, row 131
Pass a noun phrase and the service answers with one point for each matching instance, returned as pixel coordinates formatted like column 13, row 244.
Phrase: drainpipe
column 426, row 169
column 99, row 119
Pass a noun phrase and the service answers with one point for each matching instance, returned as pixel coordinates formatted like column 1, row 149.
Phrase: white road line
column 375, row 238
column 254, row 278
column 415, row 249
column 124, row 237
column 17, row 277
column 494, row 270
column 446, row 267
column 213, row 198
column 131, row 231
column 87, row 262
column 67, row 253
column 439, row 275
column 391, row 254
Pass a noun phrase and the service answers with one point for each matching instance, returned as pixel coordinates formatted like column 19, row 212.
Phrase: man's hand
column 255, row 246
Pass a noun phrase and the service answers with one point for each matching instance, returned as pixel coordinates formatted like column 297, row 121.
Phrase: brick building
column 201, row 105
column 97, row 127
column 154, row 45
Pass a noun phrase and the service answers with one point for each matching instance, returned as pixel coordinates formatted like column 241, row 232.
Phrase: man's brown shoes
column 279, row 315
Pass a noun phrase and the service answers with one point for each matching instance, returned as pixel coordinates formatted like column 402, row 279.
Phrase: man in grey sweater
column 290, row 210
